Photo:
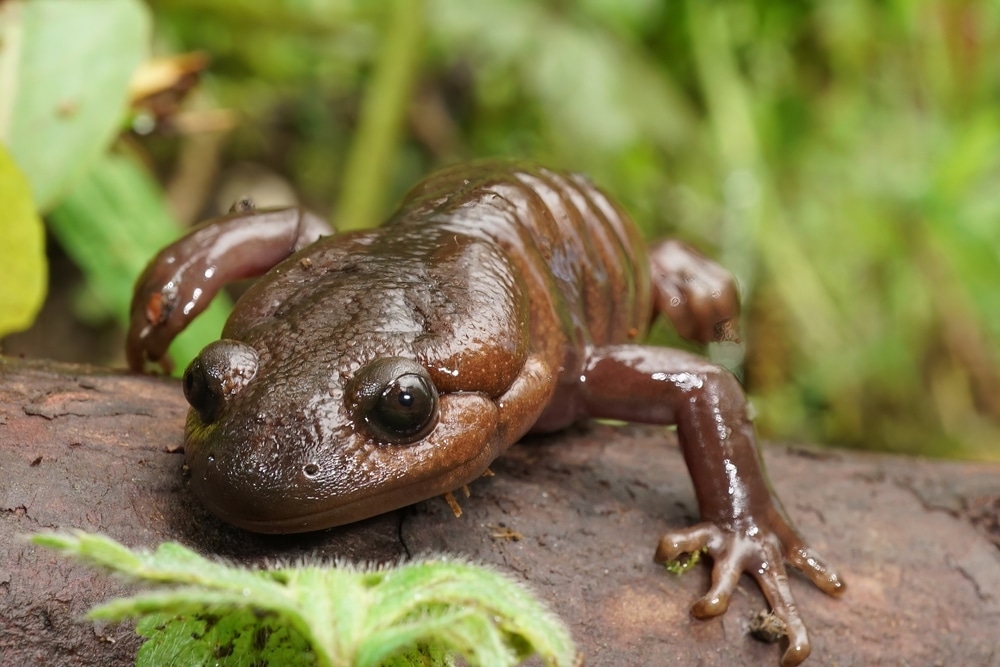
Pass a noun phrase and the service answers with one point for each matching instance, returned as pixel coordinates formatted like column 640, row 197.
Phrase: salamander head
column 301, row 455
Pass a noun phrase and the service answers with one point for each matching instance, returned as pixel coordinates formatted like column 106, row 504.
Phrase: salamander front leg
column 182, row 279
column 743, row 528
column 759, row 552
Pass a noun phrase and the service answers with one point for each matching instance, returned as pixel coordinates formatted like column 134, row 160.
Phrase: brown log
column 576, row 515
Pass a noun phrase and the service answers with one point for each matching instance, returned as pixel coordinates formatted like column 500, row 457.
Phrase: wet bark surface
column 575, row 515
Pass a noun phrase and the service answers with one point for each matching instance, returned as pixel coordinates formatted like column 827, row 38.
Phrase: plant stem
column 382, row 112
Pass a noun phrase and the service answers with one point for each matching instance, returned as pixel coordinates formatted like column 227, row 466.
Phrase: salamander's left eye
column 395, row 399
column 217, row 374
column 406, row 407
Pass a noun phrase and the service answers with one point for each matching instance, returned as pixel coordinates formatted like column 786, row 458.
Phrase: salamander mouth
column 359, row 479
column 341, row 511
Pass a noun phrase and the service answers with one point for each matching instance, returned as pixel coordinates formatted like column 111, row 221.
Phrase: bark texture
column 576, row 515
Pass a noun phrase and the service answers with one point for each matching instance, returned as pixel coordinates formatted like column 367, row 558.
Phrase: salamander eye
column 395, row 399
column 216, row 375
column 406, row 406
column 199, row 392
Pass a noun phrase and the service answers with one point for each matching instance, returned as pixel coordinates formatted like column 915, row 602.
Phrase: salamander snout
column 217, row 374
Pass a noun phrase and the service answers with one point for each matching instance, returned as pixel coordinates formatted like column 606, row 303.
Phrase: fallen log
column 576, row 515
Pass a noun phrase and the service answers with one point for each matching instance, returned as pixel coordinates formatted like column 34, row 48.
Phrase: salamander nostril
column 310, row 470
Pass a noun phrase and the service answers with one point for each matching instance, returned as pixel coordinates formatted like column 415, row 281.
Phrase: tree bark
column 575, row 515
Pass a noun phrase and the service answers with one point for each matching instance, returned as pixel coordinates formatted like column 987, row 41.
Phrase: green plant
column 420, row 613
column 64, row 98
column 22, row 250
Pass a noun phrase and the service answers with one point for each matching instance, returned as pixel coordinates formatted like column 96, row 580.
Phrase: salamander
column 368, row 370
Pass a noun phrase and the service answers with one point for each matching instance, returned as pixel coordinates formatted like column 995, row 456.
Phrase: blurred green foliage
column 61, row 106
column 840, row 156
column 22, row 249
column 60, row 109
column 54, row 122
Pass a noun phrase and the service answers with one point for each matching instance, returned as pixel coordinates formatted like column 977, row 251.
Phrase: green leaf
column 422, row 613
column 22, row 251
column 111, row 224
column 64, row 74
column 224, row 640
column 685, row 562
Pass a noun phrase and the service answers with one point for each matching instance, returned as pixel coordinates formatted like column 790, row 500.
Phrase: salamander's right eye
column 395, row 399
column 216, row 375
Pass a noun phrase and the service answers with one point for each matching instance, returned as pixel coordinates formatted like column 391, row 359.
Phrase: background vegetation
column 841, row 157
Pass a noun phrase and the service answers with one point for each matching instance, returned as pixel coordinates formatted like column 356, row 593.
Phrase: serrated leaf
column 339, row 616
column 64, row 74
column 223, row 640
column 22, row 251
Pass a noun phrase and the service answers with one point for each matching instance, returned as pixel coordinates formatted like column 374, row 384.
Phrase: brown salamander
column 370, row 370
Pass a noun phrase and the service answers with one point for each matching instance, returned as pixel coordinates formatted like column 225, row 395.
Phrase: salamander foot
column 761, row 551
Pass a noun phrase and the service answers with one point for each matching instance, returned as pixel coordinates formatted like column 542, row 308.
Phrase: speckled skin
column 519, row 292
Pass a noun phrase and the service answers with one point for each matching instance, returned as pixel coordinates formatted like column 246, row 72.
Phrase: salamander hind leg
column 743, row 528
column 699, row 296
